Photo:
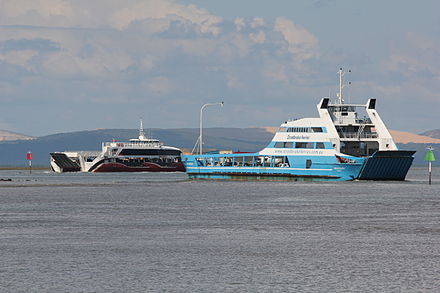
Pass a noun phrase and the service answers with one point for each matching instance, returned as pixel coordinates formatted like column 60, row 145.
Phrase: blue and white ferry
column 338, row 145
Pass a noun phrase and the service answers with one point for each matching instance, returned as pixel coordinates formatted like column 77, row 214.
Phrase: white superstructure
column 139, row 154
column 339, row 127
column 347, row 141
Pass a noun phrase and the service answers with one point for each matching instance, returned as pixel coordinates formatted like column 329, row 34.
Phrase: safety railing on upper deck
column 357, row 135
column 344, row 120
column 132, row 144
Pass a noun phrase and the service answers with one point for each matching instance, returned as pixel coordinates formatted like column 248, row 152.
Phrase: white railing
column 133, row 144
column 357, row 135
column 343, row 120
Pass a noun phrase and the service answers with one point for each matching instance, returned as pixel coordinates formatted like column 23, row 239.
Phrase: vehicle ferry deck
column 340, row 144
column 140, row 154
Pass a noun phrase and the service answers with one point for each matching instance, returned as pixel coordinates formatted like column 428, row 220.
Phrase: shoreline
column 24, row 168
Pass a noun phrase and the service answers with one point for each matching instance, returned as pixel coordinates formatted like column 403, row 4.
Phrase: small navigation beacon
column 430, row 158
column 29, row 158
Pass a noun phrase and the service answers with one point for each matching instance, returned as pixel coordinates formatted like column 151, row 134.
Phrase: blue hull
column 249, row 177
column 322, row 169
column 382, row 165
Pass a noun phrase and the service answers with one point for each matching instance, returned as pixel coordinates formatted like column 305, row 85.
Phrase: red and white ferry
column 138, row 155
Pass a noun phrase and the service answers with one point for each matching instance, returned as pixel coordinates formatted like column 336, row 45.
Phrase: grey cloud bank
column 74, row 65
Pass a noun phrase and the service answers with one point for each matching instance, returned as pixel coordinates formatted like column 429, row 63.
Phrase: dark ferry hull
column 142, row 154
column 147, row 167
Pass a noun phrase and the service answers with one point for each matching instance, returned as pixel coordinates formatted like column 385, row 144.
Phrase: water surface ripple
column 163, row 233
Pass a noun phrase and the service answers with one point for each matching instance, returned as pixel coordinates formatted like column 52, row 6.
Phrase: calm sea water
column 150, row 232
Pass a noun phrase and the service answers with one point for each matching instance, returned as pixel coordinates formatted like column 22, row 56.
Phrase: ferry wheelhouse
column 338, row 145
column 140, row 154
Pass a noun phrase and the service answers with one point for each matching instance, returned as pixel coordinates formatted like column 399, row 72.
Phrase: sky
column 71, row 65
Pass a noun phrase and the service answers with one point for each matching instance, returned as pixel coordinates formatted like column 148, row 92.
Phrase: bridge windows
column 302, row 129
column 317, row 129
column 299, row 129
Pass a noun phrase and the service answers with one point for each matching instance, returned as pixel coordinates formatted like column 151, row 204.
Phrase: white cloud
column 160, row 9
column 413, row 55
column 380, row 90
column 257, row 22
column 148, row 62
column 241, row 45
column 158, row 86
column 20, row 58
column 276, row 72
column 150, row 53
column 421, row 42
column 15, row 11
column 239, row 23
column 102, row 64
column 198, row 47
column 259, row 37
column 301, row 43
column 104, row 13
column 233, row 81
column 152, row 17
column 401, row 62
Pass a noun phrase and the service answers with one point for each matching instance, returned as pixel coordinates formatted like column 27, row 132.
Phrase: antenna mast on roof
column 341, row 84
column 141, row 131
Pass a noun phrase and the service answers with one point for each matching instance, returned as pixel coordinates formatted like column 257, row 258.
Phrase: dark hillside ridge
column 435, row 133
column 421, row 149
column 13, row 153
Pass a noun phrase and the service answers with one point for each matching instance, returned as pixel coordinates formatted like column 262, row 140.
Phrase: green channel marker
column 430, row 158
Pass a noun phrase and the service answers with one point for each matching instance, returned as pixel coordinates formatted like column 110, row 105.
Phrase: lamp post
column 201, row 124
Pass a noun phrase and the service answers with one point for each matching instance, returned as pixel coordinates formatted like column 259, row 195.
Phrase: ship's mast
column 341, row 85
column 341, row 74
column 141, row 131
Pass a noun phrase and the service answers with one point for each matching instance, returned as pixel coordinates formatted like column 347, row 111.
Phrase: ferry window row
column 343, row 109
column 302, row 129
column 245, row 161
column 252, row 161
column 299, row 145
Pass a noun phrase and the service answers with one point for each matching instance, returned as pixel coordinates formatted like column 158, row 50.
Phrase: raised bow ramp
column 387, row 165
column 64, row 163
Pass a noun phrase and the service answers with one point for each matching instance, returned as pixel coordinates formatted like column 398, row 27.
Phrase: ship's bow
column 387, row 165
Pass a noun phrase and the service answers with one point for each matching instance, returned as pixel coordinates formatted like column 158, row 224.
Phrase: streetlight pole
column 201, row 124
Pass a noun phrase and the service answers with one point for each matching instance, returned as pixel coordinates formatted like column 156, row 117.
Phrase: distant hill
column 435, row 133
column 407, row 137
column 13, row 153
column 9, row 135
column 421, row 149
column 400, row 136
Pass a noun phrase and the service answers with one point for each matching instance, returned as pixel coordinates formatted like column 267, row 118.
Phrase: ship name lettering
column 298, row 137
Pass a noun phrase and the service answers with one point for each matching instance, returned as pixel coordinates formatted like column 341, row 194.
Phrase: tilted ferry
column 140, row 154
column 339, row 145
